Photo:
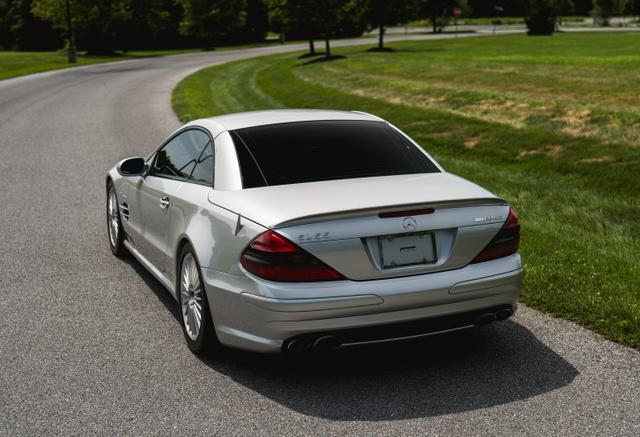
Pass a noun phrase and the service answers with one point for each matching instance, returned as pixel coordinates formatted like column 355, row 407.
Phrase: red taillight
column 512, row 220
column 506, row 241
column 271, row 256
column 274, row 243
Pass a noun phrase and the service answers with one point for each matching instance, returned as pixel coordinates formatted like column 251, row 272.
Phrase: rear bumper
column 263, row 316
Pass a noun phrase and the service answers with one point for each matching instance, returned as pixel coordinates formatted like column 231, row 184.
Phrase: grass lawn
column 485, row 21
column 14, row 64
column 551, row 124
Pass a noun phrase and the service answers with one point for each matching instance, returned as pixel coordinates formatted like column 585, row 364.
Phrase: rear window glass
column 292, row 153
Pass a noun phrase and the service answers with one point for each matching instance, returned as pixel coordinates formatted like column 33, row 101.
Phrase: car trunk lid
column 380, row 227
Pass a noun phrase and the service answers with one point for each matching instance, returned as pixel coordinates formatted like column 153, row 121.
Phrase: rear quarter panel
column 209, row 229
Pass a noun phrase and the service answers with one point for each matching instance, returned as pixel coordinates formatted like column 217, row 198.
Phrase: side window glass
column 203, row 171
column 187, row 156
column 175, row 159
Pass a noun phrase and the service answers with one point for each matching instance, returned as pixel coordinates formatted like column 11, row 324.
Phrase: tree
column 327, row 12
column 604, row 10
column 440, row 11
column 256, row 23
column 94, row 21
column 168, row 35
column 145, row 20
column 332, row 14
column 212, row 20
column 20, row 30
column 583, row 7
column 381, row 14
column 563, row 7
column 316, row 18
column 435, row 9
column 541, row 17
column 6, row 36
column 633, row 7
column 350, row 22
column 294, row 17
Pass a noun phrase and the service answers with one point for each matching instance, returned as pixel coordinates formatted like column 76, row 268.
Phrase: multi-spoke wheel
column 194, row 309
column 114, row 225
column 191, row 297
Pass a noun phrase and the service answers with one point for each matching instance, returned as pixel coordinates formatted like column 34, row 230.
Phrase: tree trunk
column 312, row 47
column 434, row 20
column 211, row 43
column 381, row 37
column 71, row 50
column 327, row 32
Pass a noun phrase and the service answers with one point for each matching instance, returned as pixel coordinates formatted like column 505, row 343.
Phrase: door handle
column 164, row 202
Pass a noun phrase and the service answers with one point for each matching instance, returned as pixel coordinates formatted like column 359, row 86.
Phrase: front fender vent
column 124, row 210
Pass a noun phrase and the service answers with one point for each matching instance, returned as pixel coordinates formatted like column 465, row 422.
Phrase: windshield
column 292, row 153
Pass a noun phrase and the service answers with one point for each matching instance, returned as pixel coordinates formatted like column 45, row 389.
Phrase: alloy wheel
column 191, row 297
column 113, row 222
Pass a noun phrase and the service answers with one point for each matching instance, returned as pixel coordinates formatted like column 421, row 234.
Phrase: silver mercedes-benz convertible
column 292, row 230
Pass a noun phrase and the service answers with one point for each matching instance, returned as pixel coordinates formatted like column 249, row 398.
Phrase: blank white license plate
column 407, row 249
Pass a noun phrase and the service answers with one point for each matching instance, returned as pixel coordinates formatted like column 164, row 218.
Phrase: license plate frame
column 397, row 250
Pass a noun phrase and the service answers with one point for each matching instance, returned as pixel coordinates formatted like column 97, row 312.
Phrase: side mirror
column 132, row 167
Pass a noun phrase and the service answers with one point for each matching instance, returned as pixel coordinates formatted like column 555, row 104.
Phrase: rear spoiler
column 461, row 203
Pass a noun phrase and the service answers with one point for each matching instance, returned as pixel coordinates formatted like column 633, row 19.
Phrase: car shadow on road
column 155, row 286
column 469, row 370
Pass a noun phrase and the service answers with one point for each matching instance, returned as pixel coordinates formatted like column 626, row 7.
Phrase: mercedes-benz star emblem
column 409, row 224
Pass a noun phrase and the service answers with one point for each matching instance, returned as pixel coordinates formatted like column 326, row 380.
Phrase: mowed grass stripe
column 578, row 196
column 580, row 102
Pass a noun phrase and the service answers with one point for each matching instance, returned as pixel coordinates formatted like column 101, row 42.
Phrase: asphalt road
column 90, row 344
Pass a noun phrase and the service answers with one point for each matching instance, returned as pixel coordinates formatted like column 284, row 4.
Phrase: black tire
column 117, row 243
column 206, row 341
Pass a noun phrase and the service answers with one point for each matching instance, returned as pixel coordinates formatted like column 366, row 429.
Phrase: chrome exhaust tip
column 297, row 345
column 485, row 319
column 327, row 343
